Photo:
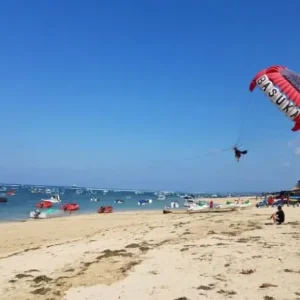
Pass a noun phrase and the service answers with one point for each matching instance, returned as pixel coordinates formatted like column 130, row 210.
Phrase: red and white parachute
column 282, row 87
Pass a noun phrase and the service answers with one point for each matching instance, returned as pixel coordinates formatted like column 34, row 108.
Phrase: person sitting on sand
column 279, row 216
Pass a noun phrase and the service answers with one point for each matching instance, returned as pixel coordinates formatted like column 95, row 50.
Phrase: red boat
column 105, row 209
column 3, row 199
column 70, row 207
column 44, row 204
column 11, row 193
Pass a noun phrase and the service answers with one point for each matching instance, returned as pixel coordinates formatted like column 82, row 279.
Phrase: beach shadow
column 247, row 272
column 41, row 291
column 226, row 293
column 129, row 266
column 267, row 285
column 205, row 287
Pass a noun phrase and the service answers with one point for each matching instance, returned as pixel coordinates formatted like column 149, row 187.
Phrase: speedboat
column 46, row 214
column 119, row 201
column 95, row 199
column 54, row 199
column 198, row 206
column 244, row 205
column 228, row 205
column 144, row 202
column 11, row 193
column 44, row 204
column 105, row 210
column 70, row 207
column 48, row 191
column 190, row 201
column 3, row 200
column 175, row 204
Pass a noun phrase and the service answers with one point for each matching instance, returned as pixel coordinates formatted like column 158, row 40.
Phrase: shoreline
column 129, row 210
column 78, row 215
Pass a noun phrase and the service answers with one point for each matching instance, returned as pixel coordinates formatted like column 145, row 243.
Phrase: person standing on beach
column 279, row 216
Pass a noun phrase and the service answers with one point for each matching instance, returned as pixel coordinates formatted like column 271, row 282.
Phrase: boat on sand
column 197, row 206
column 216, row 209
column 240, row 205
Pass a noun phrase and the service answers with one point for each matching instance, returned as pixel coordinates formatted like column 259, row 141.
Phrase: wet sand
column 149, row 255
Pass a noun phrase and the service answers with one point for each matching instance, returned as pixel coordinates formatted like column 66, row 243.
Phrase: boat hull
column 46, row 214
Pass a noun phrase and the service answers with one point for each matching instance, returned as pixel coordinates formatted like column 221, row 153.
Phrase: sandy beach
column 149, row 255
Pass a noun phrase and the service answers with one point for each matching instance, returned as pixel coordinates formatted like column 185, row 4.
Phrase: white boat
column 46, row 214
column 215, row 209
column 144, row 202
column 48, row 191
column 95, row 199
column 161, row 197
column 54, row 199
column 229, row 204
column 198, row 206
column 175, row 204
column 244, row 205
column 119, row 201
column 189, row 202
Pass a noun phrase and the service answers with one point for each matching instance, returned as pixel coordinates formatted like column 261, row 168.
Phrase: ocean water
column 19, row 206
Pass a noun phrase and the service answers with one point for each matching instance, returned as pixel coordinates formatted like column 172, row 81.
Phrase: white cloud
column 295, row 142
column 286, row 164
column 297, row 150
column 295, row 145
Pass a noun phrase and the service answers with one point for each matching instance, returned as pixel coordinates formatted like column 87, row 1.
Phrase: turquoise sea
column 26, row 198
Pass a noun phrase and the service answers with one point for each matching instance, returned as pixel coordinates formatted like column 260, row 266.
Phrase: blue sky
column 134, row 94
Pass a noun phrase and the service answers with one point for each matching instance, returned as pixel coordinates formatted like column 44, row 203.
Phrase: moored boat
column 70, row 207
column 144, row 202
column 3, row 200
column 175, row 204
column 201, row 205
column 44, row 204
column 11, row 193
column 105, row 209
column 119, row 201
column 94, row 199
column 244, row 205
column 53, row 199
column 161, row 197
column 46, row 214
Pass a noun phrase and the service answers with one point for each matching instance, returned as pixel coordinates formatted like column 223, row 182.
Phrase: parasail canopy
column 282, row 87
